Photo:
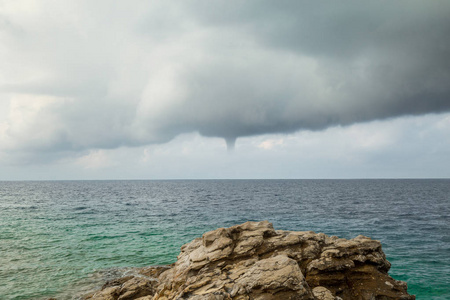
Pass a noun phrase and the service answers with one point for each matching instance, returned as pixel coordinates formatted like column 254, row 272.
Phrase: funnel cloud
column 78, row 76
column 231, row 142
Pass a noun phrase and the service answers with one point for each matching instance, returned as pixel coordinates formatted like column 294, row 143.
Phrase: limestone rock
column 321, row 293
column 252, row 261
column 126, row 288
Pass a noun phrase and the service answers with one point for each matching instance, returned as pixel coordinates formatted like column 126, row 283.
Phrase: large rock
column 254, row 261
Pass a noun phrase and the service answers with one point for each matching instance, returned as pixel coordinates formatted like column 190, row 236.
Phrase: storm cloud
column 82, row 75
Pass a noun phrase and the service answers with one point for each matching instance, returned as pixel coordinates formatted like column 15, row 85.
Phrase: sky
column 224, row 89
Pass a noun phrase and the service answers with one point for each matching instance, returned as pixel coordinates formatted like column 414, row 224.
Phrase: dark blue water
column 58, row 238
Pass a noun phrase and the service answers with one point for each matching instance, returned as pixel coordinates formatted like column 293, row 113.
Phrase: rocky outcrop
column 254, row 261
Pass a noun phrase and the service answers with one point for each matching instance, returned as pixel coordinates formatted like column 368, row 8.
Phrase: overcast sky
column 161, row 89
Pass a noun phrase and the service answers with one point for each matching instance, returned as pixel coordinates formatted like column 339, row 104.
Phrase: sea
column 64, row 238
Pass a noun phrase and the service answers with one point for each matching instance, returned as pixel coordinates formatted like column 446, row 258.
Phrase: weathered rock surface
column 254, row 261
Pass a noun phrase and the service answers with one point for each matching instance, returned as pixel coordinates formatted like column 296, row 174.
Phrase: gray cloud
column 105, row 75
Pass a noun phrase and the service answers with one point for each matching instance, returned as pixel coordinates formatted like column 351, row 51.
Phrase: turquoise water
column 62, row 238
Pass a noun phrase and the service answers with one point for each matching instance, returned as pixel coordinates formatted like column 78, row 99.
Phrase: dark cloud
column 376, row 59
column 133, row 75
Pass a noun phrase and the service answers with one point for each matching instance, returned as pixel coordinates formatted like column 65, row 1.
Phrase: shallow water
column 63, row 238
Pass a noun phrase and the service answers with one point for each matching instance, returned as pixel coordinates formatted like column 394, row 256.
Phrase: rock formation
column 254, row 261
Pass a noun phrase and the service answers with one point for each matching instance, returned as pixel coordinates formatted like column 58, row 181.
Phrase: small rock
column 321, row 293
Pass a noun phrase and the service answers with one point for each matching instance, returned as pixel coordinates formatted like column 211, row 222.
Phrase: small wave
column 104, row 237
column 31, row 207
column 80, row 208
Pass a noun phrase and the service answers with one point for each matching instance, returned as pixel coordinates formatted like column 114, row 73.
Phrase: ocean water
column 62, row 238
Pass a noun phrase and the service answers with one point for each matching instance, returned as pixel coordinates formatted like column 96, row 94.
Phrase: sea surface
column 63, row 238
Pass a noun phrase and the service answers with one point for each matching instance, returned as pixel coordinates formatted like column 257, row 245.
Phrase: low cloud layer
column 100, row 75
